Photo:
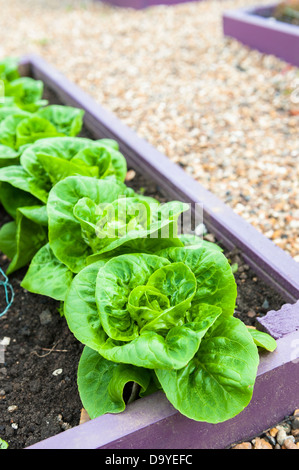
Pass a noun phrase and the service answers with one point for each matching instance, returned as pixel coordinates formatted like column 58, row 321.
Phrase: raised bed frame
column 252, row 27
column 140, row 4
column 152, row 422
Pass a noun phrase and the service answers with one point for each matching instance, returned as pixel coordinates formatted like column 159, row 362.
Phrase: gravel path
column 224, row 112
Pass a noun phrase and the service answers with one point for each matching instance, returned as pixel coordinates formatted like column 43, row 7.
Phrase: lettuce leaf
column 22, row 238
column 101, row 383
column 26, row 93
column 47, row 275
column 87, row 217
column 218, row 382
column 66, row 119
column 8, row 156
column 139, row 310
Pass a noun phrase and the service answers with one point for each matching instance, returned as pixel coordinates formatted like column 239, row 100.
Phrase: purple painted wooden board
column 152, row 422
column 281, row 322
column 269, row 261
column 139, row 4
column 266, row 35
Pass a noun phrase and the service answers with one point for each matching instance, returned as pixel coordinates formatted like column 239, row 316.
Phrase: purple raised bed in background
column 152, row 422
column 139, row 4
column 253, row 27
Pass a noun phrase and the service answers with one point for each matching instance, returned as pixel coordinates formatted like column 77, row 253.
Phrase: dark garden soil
column 38, row 383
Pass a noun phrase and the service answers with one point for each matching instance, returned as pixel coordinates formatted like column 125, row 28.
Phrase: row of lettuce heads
column 151, row 309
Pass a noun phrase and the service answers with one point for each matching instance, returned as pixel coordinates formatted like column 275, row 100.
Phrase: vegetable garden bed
column 267, row 273
column 256, row 28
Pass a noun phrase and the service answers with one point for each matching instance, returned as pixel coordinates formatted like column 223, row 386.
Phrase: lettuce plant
column 91, row 219
column 9, row 69
column 164, row 321
column 48, row 161
column 25, row 187
column 19, row 127
column 20, row 92
column 25, row 93
column 21, row 238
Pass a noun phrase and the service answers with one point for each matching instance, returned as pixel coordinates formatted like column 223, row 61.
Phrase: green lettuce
column 8, row 156
column 49, row 160
column 90, row 219
column 9, row 69
column 170, row 314
column 42, row 165
column 25, row 93
column 21, row 238
column 66, row 119
column 19, row 127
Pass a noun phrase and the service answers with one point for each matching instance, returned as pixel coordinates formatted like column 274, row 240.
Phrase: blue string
column 9, row 292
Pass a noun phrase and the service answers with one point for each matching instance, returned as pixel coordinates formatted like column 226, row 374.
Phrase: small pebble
column 281, row 436
column 273, row 432
column 45, row 317
column 251, row 314
column 259, row 443
column 289, row 444
column 265, row 304
column 271, row 439
column 285, row 427
column 12, row 408
column 295, row 423
column 243, row 445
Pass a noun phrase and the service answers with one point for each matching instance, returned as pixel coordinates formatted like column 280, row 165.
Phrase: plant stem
column 134, row 393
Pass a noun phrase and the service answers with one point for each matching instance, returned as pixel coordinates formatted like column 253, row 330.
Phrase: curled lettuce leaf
column 92, row 219
column 47, row 275
column 65, row 235
column 20, row 127
column 8, row 156
column 50, row 160
column 12, row 198
column 84, row 157
column 218, row 382
column 101, row 383
column 215, row 280
column 262, row 340
column 21, row 239
column 66, row 119
column 8, row 128
column 26, row 93
column 139, row 308
column 9, row 69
